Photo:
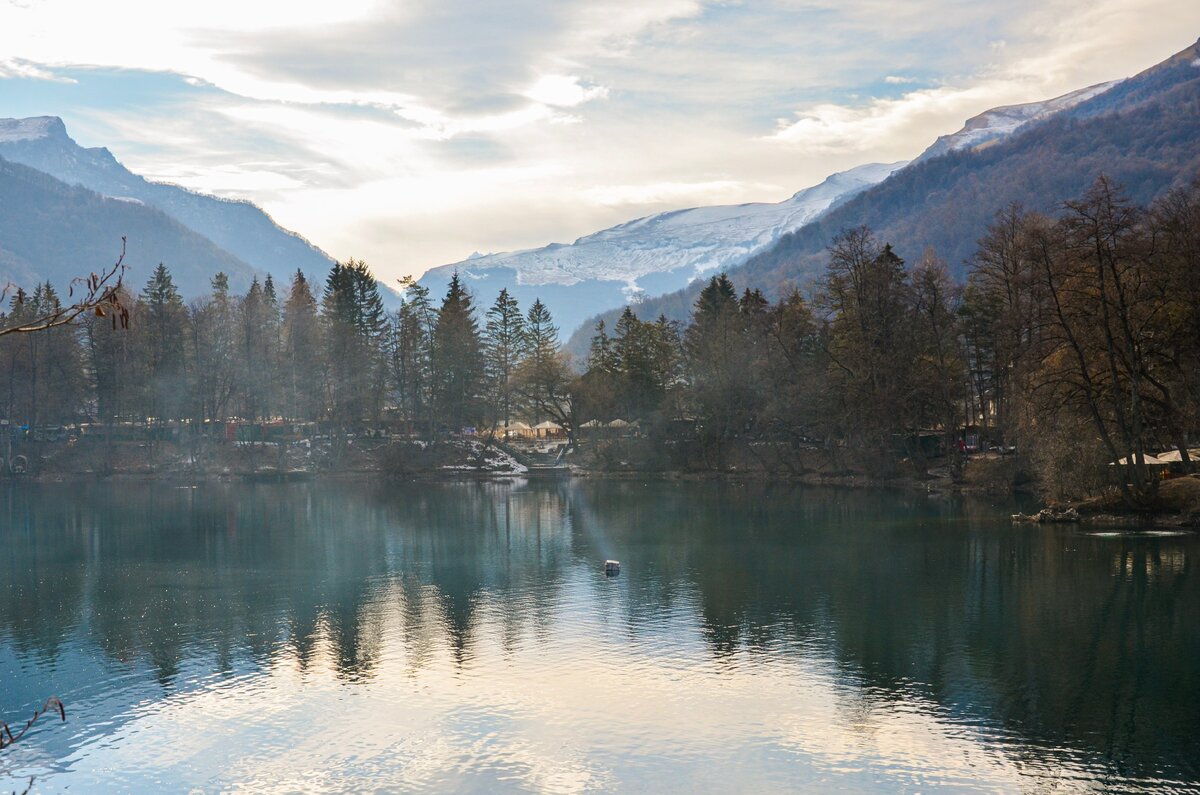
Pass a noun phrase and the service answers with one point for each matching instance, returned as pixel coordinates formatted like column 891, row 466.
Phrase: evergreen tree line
column 1076, row 338
column 263, row 356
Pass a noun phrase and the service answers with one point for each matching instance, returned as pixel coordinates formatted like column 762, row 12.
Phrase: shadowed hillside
column 50, row 231
column 1143, row 133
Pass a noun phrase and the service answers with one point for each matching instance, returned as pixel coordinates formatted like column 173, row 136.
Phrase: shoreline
column 1096, row 514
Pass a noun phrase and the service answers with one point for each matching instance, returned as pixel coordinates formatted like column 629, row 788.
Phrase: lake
column 462, row 637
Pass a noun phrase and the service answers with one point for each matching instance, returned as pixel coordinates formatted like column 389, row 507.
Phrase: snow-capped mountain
column 650, row 255
column 30, row 129
column 1140, row 131
column 998, row 123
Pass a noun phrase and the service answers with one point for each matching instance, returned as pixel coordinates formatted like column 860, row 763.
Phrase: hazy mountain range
column 657, row 255
column 649, row 256
column 63, row 208
column 1143, row 132
column 63, row 227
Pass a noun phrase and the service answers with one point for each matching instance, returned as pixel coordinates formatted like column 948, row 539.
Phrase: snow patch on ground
column 487, row 459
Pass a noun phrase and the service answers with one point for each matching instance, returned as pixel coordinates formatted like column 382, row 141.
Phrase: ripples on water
column 463, row 637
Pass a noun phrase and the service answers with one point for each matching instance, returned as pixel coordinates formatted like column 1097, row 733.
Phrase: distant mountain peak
column 653, row 254
column 32, row 129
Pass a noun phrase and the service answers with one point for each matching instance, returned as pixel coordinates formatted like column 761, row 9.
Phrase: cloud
column 564, row 91
column 411, row 133
column 18, row 68
column 829, row 127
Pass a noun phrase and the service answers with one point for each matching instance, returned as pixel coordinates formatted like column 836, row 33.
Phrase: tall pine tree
column 457, row 360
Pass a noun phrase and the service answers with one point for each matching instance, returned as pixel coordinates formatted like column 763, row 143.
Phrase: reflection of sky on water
column 465, row 639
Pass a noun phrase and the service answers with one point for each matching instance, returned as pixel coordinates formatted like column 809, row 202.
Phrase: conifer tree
column 163, row 347
column 544, row 376
column 302, row 366
column 504, row 347
column 412, row 354
column 356, row 338
column 214, row 352
column 457, row 360
column 719, row 360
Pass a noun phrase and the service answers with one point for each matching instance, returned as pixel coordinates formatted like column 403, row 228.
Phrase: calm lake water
column 463, row 637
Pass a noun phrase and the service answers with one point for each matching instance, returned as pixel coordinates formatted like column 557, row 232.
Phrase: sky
column 412, row 134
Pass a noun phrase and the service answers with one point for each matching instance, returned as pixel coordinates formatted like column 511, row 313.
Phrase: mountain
column 998, row 123
column 650, row 255
column 52, row 231
column 1143, row 132
column 239, row 227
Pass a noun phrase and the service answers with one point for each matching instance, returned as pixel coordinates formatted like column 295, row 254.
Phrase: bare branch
column 101, row 296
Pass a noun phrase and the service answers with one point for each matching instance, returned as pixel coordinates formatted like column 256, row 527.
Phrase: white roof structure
column 547, row 426
column 1151, row 460
column 1174, row 457
column 618, row 423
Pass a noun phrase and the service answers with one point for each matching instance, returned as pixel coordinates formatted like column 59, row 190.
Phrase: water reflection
column 466, row 639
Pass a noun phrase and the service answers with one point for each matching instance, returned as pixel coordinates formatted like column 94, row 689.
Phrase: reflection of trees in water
column 172, row 575
column 1050, row 634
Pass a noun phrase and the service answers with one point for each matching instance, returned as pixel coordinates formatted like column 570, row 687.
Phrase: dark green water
column 462, row 637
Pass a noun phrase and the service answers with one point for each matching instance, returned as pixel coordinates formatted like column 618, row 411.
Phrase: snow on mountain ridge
column 1000, row 122
column 31, row 129
column 697, row 241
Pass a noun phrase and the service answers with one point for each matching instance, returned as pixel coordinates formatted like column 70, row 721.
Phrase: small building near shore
column 549, row 430
column 516, row 430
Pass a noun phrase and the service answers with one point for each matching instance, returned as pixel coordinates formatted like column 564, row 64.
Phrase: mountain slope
column 649, row 255
column 239, row 227
column 51, row 231
column 997, row 123
column 1143, row 132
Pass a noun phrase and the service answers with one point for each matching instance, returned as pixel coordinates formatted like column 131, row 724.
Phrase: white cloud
column 564, row 91
column 883, row 122
column 15, row 67
column 412, row 133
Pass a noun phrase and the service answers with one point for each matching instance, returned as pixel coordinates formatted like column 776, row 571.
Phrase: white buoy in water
column 612, row 568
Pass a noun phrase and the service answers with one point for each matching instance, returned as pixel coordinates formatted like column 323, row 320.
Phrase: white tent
column 618, row 423
column 1173, row 456
column 1149, row 459
column 592, row 424
column 547, row 429
column 516, row 429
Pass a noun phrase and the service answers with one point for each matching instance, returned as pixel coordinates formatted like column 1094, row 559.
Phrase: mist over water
column 463, row 637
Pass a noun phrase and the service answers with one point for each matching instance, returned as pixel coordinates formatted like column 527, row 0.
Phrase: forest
column 1075, row 340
